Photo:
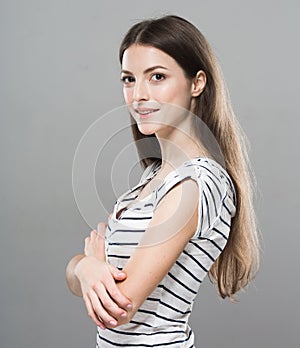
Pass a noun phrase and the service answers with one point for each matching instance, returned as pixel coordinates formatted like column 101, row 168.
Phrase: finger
column 109, row 304
column 99, row 244
column 93, row 235
column 100, row 310
column 117, row 295
column 86, row 244
column 101, row 229
column 97, row 238
column 116, row 273
column 91, row 313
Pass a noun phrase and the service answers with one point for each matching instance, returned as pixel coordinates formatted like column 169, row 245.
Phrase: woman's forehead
column 142, row 57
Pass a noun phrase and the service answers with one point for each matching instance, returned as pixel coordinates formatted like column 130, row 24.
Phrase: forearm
column 147, row 266
column 72, row 280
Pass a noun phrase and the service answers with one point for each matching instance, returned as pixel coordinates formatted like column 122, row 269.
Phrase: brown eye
column 157, row 77
column 127, row 80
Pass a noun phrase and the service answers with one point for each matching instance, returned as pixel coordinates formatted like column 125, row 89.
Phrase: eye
column 127, row 80
column 157, row 77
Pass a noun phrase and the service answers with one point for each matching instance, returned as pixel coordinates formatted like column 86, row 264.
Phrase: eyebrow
column 147, row 70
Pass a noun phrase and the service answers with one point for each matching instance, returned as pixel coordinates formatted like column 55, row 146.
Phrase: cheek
column 177, row 97
column 175, row 92
column 128, row 95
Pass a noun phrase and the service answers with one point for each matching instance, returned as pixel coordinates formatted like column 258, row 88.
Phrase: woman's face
column 157, row 92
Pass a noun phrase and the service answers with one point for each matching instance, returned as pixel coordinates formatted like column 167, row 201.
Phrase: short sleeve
column 216, row 196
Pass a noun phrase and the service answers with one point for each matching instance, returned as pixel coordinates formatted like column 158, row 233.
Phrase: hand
column 95, row 243
column 104, row 301
column 95, row 246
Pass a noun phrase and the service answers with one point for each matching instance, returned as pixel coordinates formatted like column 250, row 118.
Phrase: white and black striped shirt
column 162, row 320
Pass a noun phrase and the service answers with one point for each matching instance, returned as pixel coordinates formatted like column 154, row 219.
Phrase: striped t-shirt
column 162, row 320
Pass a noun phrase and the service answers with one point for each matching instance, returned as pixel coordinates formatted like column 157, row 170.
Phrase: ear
column 199, row 82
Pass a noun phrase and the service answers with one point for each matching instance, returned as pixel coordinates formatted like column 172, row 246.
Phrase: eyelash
column 123, row 79
column 162, row 75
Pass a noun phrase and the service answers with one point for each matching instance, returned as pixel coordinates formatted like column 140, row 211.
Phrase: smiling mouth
column 145, row 113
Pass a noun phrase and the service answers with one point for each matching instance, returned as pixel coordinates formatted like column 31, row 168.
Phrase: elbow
column 130, row 315
column 121, row 322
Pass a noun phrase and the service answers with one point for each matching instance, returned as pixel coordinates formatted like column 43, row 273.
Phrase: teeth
column 145, row 112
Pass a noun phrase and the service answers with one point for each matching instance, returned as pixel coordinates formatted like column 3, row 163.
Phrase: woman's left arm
column 173, row 224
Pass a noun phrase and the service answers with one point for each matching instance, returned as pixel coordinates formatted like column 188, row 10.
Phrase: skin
column 109, row 294
column 166, row 87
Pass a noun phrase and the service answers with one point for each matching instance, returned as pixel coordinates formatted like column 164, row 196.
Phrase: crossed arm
column 113, row 297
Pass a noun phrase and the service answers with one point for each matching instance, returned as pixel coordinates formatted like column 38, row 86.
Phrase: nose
column 141, row 91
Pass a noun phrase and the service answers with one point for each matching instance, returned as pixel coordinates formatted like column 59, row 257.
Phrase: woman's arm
column 72, row 280
column 88, row 273
column 173, row 224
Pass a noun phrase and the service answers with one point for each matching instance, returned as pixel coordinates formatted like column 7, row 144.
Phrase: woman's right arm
column 87, row 274
column 72, row 280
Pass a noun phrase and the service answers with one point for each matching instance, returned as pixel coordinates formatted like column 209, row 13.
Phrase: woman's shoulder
column 216, row 192
column 211, row 173
column 196, row 166
column 208, row 173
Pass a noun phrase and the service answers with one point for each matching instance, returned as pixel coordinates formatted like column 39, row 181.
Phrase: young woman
column 190, row 215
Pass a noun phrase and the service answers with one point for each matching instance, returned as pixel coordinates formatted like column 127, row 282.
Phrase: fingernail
column 124, row 315
column 120, row 274
column 129, row 306
column 113, row 323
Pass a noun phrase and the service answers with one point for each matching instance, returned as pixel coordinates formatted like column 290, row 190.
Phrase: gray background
column 59, row 72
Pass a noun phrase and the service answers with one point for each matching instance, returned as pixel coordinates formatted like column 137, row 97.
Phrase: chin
column 147, row 129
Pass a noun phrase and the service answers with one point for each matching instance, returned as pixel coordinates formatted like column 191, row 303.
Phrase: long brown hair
column 239, row 261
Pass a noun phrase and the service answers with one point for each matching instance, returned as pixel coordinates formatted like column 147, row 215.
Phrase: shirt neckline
column 153, row 171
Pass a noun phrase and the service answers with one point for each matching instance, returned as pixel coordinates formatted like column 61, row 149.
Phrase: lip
column 149, row 114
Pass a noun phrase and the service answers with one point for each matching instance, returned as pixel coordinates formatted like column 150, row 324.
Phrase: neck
column 178, row 146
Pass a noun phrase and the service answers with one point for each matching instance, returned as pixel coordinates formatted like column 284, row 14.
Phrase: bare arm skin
column 89, row 275
column 176, row 214
column 72, row 281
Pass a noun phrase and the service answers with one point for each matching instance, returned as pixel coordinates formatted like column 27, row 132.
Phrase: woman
column 190, row 215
